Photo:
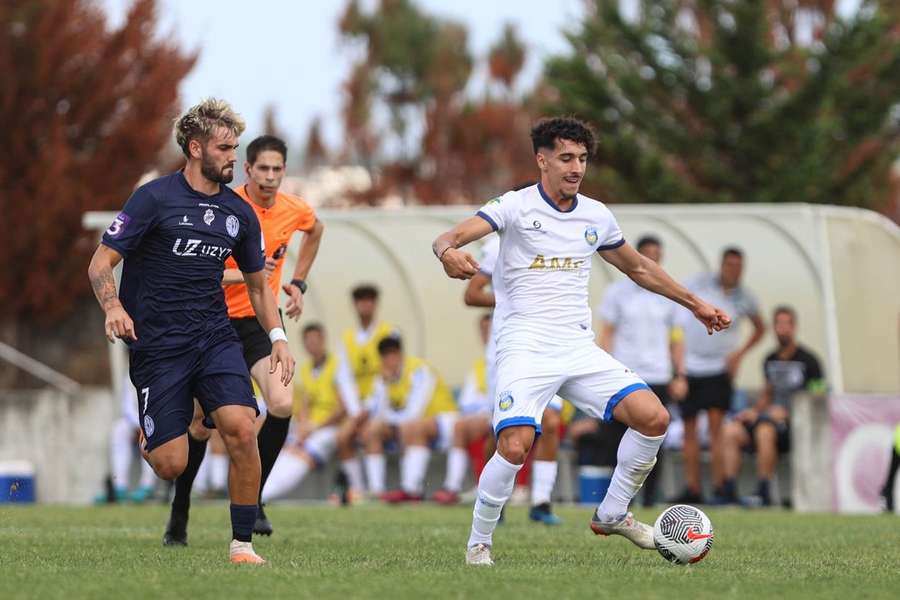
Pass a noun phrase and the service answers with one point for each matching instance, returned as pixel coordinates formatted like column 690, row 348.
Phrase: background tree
column 76, row 136
column 439, row 145
column 736, row 100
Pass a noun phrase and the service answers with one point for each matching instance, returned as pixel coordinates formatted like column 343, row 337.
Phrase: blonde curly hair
column 200, row 122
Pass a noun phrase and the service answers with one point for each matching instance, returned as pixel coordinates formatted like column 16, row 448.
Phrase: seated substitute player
column 545, row 465
column 279, row 216
column 472, row 424
column 765, row 428
column 411, row 404
column 174, row 235
column 327, row 397
column 542, row 328
column 359, row 348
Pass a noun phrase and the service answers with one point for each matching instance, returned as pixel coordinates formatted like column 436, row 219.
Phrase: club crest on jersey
column 590, row 235
column 209, row 216
column 231, row 225
column 506, row 401
column 149, row 426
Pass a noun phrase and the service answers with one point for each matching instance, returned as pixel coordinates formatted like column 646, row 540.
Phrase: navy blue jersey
column 175, row 241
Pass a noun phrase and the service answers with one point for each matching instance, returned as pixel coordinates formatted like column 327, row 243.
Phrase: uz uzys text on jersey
column 556, row 263
column 198, row 248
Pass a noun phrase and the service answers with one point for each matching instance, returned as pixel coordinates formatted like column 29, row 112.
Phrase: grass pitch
column 417, row 552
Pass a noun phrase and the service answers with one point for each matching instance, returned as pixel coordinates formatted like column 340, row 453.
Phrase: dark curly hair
column 546, row 131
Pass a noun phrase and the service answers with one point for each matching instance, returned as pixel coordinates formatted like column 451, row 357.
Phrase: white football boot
column 640, row 534
column 479, row 554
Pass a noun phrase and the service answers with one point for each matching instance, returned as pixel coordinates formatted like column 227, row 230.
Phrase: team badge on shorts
column 208, row 216
column 590, row 235
column 149, row 426
column 231, row 225
column 506, row 401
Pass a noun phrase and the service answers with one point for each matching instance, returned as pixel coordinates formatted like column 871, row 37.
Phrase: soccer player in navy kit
column 174, row 235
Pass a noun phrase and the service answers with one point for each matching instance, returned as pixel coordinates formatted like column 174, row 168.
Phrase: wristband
column 443, row 252
column 302, row 285
column 277, row 334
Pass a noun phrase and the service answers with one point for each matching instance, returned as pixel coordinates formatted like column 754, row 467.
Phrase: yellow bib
column 398, row 392
column 320, row 391
column 480, row 370
column 363, row 358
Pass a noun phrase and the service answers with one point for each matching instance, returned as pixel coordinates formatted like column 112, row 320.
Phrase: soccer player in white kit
column 542, row 328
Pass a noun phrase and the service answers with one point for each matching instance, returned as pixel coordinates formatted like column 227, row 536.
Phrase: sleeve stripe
column 490, row 221
column 612, row 246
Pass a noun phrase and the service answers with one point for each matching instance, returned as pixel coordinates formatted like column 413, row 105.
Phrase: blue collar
column 550, row 201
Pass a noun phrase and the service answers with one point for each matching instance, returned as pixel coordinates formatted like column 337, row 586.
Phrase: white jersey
column 643, row 322
column 543, row 266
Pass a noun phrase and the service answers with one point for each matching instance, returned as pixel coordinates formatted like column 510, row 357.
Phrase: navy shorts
column 168, row 381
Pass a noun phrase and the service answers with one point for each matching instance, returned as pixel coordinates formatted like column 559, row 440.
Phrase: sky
column 288, row 53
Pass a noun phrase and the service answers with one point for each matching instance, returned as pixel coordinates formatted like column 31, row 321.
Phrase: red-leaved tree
column 84, row 111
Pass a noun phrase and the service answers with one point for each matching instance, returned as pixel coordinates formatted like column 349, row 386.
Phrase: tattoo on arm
column 105, row 288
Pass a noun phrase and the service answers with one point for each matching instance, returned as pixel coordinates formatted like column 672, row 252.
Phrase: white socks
column 635, row 460
column 288, row 471
column 412, row 469
column 353, row 470
column 375, row 473
column 121, row 452
column 494, row 488
column 218, row 470
column 543, row 478
column 457, row 462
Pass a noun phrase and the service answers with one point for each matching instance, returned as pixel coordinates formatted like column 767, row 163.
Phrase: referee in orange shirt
column 280, row 215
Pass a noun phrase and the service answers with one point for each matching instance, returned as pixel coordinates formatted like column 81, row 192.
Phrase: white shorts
column 321, row 443
column 586, row 376
column 490, row 358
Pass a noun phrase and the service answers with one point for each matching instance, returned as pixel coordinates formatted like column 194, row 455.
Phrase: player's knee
column 657, row 423
column 279, row 401
column 764, row 431
column 513, row 448
column 240, row 437
column 169, row 468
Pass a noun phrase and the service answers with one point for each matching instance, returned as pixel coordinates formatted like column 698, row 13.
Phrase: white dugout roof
column 838, row 267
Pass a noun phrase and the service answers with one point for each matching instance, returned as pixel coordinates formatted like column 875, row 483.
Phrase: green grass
column 417, row 552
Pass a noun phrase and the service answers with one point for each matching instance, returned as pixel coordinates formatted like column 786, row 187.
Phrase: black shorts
column 609, row 433
column 704, row 393
column 168, row 381
column 782, row 434
column 254, row 339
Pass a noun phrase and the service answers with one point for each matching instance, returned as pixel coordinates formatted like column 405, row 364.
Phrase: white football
column 683, row 534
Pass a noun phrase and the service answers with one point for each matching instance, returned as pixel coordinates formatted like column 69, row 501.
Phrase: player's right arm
column 457, row 263
column 100, row 271
column 123, row 237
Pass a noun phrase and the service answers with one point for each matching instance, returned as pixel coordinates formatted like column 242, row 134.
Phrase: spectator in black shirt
column 765, row 427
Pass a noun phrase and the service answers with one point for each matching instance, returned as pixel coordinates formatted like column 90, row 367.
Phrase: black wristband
column 300, row 284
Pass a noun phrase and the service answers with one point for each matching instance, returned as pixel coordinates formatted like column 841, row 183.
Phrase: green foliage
column 730, row 101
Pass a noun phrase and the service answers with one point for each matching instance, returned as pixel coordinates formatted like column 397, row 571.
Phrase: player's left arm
column 309, row 248
column 266, row 310
column 649, row 275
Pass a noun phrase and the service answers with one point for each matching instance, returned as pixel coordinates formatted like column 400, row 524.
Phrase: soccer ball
column 683, row 534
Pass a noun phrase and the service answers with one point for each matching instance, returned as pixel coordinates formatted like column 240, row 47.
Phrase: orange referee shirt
column 278, row 223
